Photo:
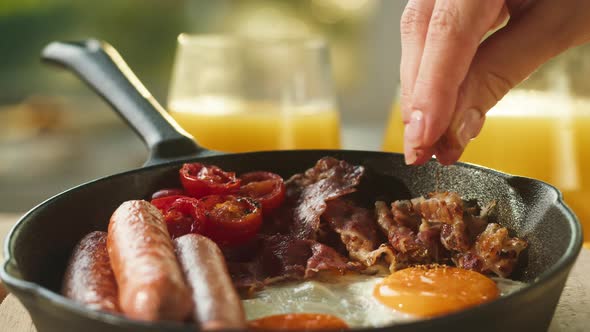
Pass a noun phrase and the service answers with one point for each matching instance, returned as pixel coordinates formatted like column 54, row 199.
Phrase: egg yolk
column 431, row 291
column 299, row 322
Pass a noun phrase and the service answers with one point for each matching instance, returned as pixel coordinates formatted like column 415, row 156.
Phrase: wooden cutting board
column 572, row 314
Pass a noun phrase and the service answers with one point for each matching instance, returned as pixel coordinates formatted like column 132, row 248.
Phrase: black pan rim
column 563, row 264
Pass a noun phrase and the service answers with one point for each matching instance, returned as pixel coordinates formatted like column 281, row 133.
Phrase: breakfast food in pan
column 89, row 278
column 204, row 267
column 151, row 283
column 229, row 251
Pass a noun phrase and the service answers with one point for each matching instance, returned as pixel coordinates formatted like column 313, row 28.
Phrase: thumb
column 505, row 59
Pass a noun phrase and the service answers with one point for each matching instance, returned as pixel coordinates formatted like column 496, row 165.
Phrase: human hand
column 450, row 79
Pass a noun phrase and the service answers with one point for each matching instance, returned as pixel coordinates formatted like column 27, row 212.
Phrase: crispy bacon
column 470, row 261
column 288, row 246
column 445, row 208
column 355, row 226
column 494, row 251
column 429, row 235
column 358, row 231
column 476, row 219
column 307, row 193
column 284, row 258
column 325, row 258
column 405, row 215
column 317, row 229
column 449, row 224
column 408, row 247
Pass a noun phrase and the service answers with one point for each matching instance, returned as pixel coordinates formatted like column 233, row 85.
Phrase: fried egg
column 357, row 300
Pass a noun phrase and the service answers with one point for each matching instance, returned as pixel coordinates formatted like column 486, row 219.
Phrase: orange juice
column 538, row 135
column 232, row 125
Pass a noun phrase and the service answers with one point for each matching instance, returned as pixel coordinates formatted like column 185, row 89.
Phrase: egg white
column 349, row 298
column 508, row 286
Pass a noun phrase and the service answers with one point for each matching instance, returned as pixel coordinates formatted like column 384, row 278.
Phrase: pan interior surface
column 39, row 246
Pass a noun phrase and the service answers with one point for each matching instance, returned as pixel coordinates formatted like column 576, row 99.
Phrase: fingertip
column 414, row 130
column 416, row 157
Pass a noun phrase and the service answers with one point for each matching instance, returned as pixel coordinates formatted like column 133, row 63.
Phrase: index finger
column 413, row 30
column 454, row 32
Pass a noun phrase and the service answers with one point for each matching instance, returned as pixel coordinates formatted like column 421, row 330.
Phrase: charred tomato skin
column 199, row 180
column 229, row 220
column 265, row 187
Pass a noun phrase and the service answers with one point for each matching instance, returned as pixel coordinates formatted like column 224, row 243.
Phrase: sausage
column 151, row 283
column 216, row 302
column 89, row 278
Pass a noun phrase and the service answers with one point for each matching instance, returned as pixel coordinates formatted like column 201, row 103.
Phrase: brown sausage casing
column 151, row 283
column 89, row 278
column 216, row 302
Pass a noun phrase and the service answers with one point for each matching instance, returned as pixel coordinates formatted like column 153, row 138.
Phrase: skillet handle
column 104, row 70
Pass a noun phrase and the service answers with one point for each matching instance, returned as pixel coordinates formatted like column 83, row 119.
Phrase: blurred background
column 56, row 133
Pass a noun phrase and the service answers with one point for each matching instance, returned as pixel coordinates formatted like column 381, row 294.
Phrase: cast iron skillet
column 38, row 246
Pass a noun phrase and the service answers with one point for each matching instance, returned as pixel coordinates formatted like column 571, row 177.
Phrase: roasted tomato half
column 265, row 187
column 180, row 214
column 229, row 220
column 164, row 203
column 200, row 180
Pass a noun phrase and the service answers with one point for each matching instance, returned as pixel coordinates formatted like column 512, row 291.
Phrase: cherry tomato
column 164, row 203
column 168, row 192
column 265, row 187
column 180, row 214
column 201, row 180
column 229, row 220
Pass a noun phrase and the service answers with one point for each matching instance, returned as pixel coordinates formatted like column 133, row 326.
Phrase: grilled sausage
column 151, row 284
column 89, row 278
column 216, row 302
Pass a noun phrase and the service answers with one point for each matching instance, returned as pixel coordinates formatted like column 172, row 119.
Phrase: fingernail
column 411, row 155
column 470, row 126
column 414, row 130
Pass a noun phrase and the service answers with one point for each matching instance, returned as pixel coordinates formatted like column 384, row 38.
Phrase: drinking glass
column 237, row 94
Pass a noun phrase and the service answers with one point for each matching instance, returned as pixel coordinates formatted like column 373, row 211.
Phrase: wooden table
column 572, row 315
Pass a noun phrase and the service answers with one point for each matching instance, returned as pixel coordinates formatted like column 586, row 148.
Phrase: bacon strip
column 449, row 224
column 317, row 226
column 284, row 258
column 325, row 258
column 403, row 214
column 445, row 208
column 407, row 245
column 494, row 251
column 288, row 247
column 329, row 179
column 358, row 231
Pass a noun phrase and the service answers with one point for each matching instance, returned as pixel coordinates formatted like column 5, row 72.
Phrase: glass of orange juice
column 237, row 94
column 539, row 134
